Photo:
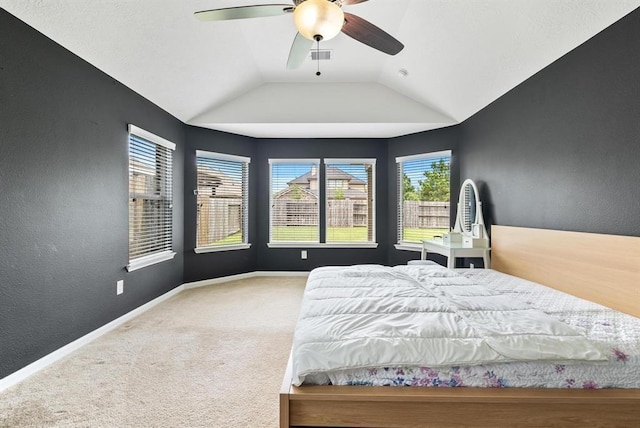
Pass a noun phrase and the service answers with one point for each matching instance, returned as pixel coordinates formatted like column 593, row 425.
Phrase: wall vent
column 322, row 55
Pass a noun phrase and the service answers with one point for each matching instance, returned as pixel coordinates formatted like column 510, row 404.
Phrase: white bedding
column 370, row 317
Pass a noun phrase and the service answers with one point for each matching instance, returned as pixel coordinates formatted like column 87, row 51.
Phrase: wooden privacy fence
column 353, row 212
column 218, row 218
column 295, row 212
column 340, row 213
column 425, row 214
column 346, row 213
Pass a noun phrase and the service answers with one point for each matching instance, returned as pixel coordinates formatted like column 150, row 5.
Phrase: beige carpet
column 208, row 357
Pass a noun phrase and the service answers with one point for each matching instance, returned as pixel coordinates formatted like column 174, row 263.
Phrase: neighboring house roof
column 313, row 194
column 305, row 192
column 332, row 172
column 303, row 179
column 222, row 184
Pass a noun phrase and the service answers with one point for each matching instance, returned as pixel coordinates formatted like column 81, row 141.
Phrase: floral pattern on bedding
column 618, row 373
column 507, row 375
column 616, row 334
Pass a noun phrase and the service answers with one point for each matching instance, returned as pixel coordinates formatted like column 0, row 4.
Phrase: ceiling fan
column 315, row 20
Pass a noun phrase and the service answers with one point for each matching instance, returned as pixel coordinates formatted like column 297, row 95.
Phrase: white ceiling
column 460, row 56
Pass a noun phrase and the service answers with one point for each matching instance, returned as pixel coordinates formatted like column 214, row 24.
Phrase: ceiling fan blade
column 350, row 2
column 243, row 12
column 299, row 51
column 367, row 33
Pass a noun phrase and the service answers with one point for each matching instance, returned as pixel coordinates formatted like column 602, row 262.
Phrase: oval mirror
column 469, row 220
column 468, row 203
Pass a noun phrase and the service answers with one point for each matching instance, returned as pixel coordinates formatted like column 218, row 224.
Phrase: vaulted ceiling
column 459, row 56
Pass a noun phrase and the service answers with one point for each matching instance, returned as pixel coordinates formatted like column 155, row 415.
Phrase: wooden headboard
column 602, row 268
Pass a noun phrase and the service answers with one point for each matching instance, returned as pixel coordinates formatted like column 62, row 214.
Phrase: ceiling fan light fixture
column 322, row 18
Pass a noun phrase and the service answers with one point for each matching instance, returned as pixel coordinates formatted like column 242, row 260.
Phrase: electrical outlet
column 120, row 287
column 303, row 254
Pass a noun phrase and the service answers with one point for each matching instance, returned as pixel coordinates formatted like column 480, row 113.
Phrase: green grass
column 310, row 233
column 294, row 233
column 416, row 235
column 334, row 234
column 235, row 238
column 345, row 234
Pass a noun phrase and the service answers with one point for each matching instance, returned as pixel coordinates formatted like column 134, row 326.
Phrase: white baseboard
column 60, row 353
column 255, row 274
column 36, row 366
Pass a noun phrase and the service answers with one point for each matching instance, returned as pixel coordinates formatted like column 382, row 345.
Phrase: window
column 223, row 202
column 295, row 214
column 150, row 198
column 337, row 184
column 423, row 196
column 350, row 204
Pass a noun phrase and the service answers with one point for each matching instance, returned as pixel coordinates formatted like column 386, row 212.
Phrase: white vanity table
column 455, row 250
column 469, row 236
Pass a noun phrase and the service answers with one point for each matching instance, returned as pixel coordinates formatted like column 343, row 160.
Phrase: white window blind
column 350, row 207
column 150, row 198
column 223, row 200
column 295, row 214
column 423, row 196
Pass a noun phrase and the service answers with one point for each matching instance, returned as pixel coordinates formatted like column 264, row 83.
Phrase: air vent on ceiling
column 322, row 55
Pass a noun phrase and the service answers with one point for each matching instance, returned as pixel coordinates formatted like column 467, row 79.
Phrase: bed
column 600, row 268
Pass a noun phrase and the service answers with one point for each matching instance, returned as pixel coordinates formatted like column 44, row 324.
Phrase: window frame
column 167, row 253
column 292, row 244
column 408, row 245
column 322, row 208
column 245, row 161
column 372, row 221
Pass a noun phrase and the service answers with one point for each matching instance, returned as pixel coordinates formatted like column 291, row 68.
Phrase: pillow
column 421, row 262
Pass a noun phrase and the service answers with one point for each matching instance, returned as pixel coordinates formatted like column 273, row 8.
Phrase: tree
column 436, row 185
column 338, row 194
column 408, row 191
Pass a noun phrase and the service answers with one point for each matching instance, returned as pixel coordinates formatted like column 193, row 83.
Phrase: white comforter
column 369, row 316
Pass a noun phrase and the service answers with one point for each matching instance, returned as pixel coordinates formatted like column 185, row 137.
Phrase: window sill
column 202, row 250
column 408, row 247
column 322, row 245
column 145, row 261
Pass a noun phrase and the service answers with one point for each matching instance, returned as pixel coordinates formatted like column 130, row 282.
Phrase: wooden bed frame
column 600, row 268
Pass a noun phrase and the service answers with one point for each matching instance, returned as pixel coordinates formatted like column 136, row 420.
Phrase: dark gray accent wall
column 64, row 197
column 562, row 150
column 415, row 144
column 288, row 259
column 559, row 151
column 217, row 264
